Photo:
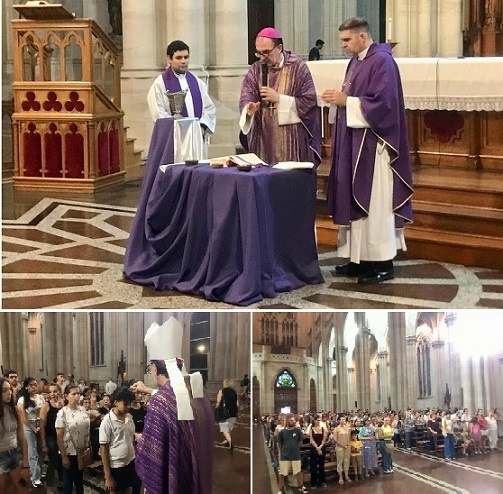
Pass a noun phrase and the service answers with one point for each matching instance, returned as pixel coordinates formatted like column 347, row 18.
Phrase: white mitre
column 165, row 343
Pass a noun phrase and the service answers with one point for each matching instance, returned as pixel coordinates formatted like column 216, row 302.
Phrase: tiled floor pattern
column 66, row 254
column 413, row 474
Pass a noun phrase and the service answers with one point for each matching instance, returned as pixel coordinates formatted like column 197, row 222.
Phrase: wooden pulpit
column 67, row 122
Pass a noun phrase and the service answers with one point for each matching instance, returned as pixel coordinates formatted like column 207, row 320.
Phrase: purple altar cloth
column 221, row 233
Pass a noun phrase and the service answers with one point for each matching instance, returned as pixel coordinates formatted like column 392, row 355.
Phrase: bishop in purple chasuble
column 175, row 456
column 292, row 142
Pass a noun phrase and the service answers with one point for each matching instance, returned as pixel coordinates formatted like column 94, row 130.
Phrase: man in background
column 314, row 53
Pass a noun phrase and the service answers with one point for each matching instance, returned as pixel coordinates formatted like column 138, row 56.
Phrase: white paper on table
column 294, row 165
column 163, row 167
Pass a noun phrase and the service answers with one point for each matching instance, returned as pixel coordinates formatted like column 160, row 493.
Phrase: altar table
column 223, row 234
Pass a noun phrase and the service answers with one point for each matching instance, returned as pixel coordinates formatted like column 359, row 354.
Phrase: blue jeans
column 73, row 476
column 34, row 452
column 387, row 463
column 409, row 439
column 449, row 446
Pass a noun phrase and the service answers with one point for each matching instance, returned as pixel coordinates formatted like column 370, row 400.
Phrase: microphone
column 265, row 73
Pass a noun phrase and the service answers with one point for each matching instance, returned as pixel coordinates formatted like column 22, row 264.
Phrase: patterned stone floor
column 68, row 254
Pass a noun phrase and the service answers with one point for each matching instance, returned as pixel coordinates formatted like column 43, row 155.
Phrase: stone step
column 458, row 218
column 456, row 248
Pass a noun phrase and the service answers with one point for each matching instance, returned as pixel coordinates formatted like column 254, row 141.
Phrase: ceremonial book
column 247, row 159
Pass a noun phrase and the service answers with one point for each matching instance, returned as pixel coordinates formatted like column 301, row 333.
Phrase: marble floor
column 413, row 474
column 67, row 252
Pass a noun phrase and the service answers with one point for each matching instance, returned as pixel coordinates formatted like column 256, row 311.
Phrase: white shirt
column 110, row 387
column 32, row 413
column 119, row 435
column 74, row 422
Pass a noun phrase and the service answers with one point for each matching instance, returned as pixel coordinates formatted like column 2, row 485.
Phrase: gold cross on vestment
column 271, row 107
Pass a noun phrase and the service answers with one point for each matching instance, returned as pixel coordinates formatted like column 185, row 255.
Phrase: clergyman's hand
column 251, row 108
column 334, row 97
column 269, row 94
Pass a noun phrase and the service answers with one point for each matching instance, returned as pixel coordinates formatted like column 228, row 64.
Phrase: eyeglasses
column 265, row 53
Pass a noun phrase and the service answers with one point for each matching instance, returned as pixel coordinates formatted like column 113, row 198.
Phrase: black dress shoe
column 376, row 276
column 351, row 269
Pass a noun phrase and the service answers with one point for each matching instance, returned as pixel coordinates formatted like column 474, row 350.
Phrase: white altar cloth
column 464, row 84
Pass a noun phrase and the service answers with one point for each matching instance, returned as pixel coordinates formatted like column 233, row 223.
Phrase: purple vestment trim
column 172, row 84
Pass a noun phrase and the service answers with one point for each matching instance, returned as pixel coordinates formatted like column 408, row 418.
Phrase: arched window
column 424, row 367
column 285, row 380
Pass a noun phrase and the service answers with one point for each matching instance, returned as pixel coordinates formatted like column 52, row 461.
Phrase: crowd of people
column 359, row 440
column 52, row 427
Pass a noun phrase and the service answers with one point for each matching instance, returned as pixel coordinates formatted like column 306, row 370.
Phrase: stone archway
column 285, row 391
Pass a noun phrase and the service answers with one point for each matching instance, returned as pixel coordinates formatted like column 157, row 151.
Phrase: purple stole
column 172, row 84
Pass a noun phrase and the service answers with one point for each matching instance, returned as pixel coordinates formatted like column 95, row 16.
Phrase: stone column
column 365, row 369
column 411, row 373
column 352, row 394
column 81, row 345
column 467, row 383
column 14, row 352
column 230, row 346
column 423, row 46
column 144, row 53
column 228, row 63
column 478, row 383
column 450, row 22
column 328, row 389
column 342, row 378
column 187, row 20
column 383, row 367
column 398, row 27
column 438, row 371
column 135, row 365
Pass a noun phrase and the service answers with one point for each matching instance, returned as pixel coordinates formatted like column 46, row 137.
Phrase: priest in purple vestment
column 370, row 183
column 177, row 78
column 278, row 104
column 174, row 454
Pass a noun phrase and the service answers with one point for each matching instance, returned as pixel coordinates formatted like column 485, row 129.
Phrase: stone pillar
column 423, row 46
column 328, row 389
column 411, row 373
column 135, row 365
column 228, row 63
column 365, row 369
column 467, row 383
column 81, row 345
column 478, row 383
column 450, row 22
column 383, row 366
column 352, row 394
column 230, row 346
column 342, row 378
column 438, row 377
column 14, row 354
column 187, row 20
column 398, row 27
column 144, row 53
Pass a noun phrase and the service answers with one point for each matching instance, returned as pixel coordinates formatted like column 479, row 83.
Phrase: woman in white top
column 13, row 474
column 72, row 430
column 29, row 404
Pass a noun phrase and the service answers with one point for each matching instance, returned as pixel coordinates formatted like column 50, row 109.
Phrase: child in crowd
column 117, row 435
column 356, row 455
